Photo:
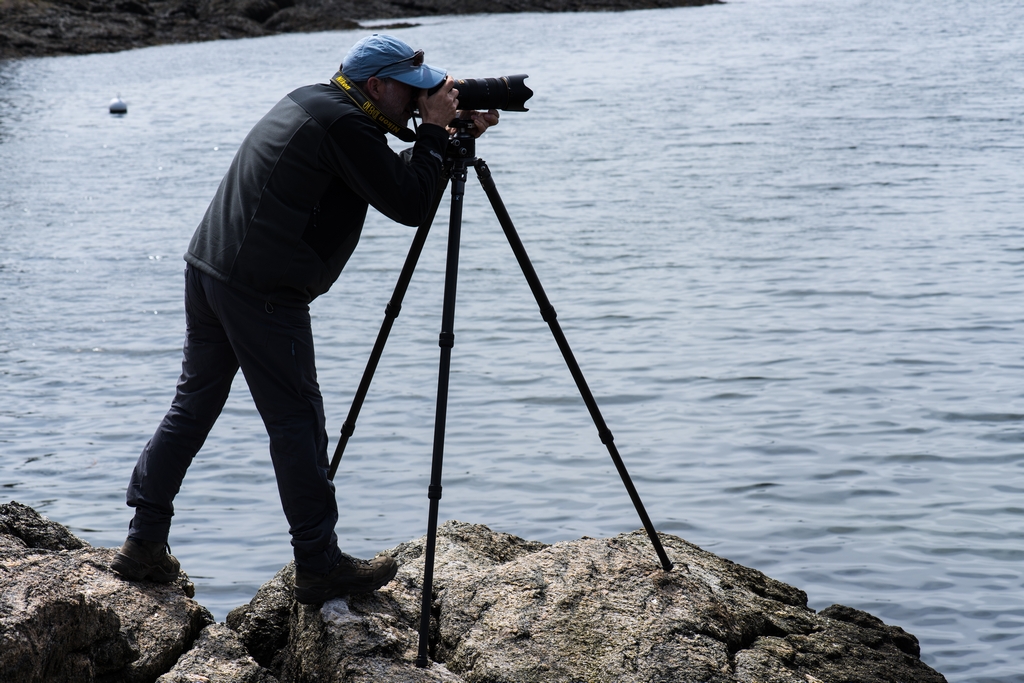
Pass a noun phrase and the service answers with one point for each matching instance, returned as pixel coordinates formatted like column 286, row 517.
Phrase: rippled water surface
column 784, row 239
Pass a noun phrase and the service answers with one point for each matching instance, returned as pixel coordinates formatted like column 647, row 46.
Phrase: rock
column 36, row 28
column 362, row 640
column 591, row 610
column 64, row 616
column 503, row 610
column 21, row 527
column 262, row 625
column 218, row 656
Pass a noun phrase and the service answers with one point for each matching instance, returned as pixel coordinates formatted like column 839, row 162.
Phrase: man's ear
column 373, row 87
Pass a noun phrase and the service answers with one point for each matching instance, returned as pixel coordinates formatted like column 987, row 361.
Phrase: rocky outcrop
column 218, row 656
column 508, row 610
column 65, row 617
column 35, row 28
column 504, row 610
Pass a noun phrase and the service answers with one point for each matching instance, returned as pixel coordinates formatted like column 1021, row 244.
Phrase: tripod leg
column 547, row 312
column 391, row 312
column 446, row 340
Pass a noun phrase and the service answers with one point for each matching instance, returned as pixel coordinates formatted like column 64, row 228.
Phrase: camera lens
column 508, row 93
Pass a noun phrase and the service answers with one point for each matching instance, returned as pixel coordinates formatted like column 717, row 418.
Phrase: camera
column 508, row 93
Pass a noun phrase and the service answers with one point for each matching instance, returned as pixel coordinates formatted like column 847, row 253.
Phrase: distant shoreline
column 40, row 28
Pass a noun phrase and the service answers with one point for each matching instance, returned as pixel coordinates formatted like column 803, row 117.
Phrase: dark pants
column 227, row 329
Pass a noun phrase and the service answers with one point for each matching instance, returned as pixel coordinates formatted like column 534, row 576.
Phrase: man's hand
column 481, row 120
column 441, row 107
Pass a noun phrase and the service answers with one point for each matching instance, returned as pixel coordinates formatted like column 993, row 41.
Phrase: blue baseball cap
column 388, row 57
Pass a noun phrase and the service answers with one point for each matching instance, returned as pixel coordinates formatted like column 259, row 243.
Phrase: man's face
column 396, row 100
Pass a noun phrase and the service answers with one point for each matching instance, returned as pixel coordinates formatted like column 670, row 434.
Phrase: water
column 783, row 238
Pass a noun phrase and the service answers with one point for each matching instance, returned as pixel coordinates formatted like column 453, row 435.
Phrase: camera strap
column 370, row 109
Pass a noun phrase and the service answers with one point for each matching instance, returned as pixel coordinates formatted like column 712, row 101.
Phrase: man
column 277, row 234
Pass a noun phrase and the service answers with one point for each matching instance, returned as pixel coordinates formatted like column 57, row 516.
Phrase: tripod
column 461, row 155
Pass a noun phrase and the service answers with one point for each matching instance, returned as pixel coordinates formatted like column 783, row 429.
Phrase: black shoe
column 139, row 560
column 350, row 576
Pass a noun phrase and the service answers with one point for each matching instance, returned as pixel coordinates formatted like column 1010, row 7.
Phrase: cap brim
column 424, row 76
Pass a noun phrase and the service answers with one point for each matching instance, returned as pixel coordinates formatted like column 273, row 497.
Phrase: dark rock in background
column 23, row 527
column 38, row 28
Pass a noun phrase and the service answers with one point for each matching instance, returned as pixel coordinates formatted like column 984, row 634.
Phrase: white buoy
column 117, row 106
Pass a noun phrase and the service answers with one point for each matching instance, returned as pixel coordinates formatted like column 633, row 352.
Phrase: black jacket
column 289, row 211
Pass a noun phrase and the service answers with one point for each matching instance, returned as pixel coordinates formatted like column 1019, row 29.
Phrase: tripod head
column 461, row 145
